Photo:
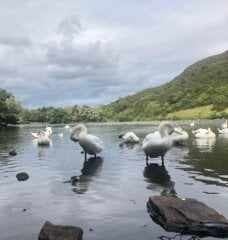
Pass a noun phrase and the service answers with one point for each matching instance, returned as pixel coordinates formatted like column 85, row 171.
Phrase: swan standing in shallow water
column 129, row 137
column 204, row 133
column 90, row 143
column 158, row 143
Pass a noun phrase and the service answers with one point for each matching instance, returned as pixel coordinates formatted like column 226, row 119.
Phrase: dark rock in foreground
column 187, row 216
column 12, row 152
column 22, row 176
column 59, row 232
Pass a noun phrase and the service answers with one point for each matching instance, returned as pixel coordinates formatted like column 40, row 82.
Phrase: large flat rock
column 50, row 231
column 187, row 215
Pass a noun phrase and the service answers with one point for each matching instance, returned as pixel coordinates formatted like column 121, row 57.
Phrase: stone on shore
column 187, row 216
column 22, row 176
column 50, row 231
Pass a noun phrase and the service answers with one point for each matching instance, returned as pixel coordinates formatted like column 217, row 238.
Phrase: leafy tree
column 9, row 108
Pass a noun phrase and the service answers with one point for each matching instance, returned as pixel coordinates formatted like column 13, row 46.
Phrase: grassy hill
column 200, row 91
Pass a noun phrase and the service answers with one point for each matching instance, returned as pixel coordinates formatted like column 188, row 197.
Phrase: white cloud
column 86, row 53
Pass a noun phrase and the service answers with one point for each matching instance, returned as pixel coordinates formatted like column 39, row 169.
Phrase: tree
column 10, row 109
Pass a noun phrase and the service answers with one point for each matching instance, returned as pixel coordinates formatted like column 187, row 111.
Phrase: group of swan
column 154, row 145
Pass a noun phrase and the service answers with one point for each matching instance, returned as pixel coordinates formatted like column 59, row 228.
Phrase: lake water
column 110, row 200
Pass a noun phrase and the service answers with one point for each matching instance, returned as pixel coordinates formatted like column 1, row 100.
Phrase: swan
column 90, row 143
column 192, row 124
column 224, row 125
column 223, row 131
column 204, row 133
column 43, row 139
column 179, row 136
column 158, row 143
column 129, row 137
column 48, row 132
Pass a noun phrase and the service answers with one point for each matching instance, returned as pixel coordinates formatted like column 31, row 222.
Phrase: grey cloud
column 70, row 26
column 14, row 40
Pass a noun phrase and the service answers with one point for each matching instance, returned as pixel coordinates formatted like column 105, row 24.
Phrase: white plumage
column 129, row 137
column 204, row 133
column 158, row 143
column 90, row 143
column 179, row 136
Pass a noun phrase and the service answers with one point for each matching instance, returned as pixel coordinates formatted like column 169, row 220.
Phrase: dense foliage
column 201, row 84
column 9, row 108
column 62, row 115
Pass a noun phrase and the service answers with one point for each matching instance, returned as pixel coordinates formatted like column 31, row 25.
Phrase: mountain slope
column 201, row 84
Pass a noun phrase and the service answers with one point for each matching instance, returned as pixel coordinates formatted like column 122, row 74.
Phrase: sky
column 66, row 52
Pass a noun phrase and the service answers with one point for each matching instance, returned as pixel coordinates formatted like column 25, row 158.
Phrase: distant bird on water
column 129, row 137
column 91, row 144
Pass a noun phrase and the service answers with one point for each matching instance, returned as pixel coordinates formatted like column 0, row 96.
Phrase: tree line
column 11, row 112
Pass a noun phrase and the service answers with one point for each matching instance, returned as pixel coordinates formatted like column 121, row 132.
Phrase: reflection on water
column 204, row 144
column 91, row 168
column 105, row 185
column 158, row 178
column 129, row 146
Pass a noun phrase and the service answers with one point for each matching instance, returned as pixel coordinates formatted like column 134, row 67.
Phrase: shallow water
column 110, row 200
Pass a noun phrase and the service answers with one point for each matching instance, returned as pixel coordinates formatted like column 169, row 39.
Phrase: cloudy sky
column 66, row 52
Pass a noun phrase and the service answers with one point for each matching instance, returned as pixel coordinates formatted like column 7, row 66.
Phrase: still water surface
column 110, row 201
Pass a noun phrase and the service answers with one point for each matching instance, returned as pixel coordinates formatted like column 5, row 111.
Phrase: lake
column 110, row 200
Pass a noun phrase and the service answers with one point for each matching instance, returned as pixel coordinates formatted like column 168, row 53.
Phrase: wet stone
column 50, row 231
column 187, row 216
column 12, row 152
column 22, row 176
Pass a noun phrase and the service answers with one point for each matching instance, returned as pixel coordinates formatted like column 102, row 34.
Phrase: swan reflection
column 158, row 178
column 91, row 168
column 130, row 146
column 205, row 144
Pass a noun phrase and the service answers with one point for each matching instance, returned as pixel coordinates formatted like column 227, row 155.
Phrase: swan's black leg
column 85, row 156
column 95, row 156
column 147, row 160
column 162, row 157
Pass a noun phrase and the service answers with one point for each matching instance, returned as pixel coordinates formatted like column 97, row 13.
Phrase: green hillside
column 203, row 86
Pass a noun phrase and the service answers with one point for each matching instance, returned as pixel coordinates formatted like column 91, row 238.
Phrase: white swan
column 129, row 137
column 90, row 143
column 223, row 131
column 179, row 136
column 48, row 132
column 224, row 125
column 158, row 143
column 43, row 139
column 192, row 124
column 204, row 133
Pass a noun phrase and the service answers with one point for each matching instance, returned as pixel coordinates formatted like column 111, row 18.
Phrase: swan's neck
column 166, row 129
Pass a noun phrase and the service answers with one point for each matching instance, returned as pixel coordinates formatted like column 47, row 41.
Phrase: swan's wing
column 35, row 135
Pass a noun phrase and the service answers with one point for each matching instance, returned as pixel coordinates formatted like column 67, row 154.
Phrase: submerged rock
column 12, row 152
column 22, row 176
column 50, row 231
column 187, row 216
